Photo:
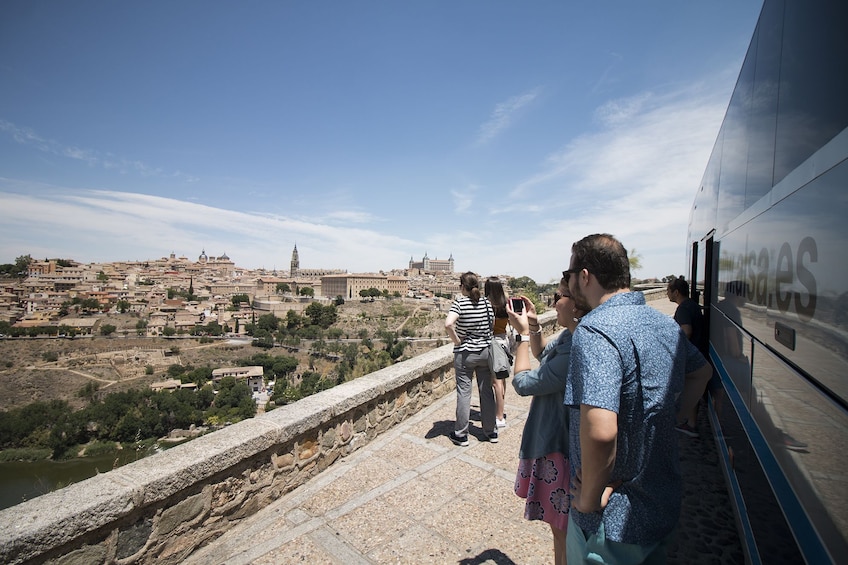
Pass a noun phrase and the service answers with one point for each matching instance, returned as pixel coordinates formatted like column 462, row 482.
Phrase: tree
column 283, row 288
column 122, row 306
column 526, row 284
column 88, row 391
column 635, row 260
column 370, row 292
column 293, row 320
column 283, row 366
column 168, row 331
column 214, row 328
column 102, row 277
column 263, row 338
column 175, row 370
column 309, row 332
column 89, row 304
column 268, row 322
column 107, row 329
column 22, row 264
column 322, row 316
column 234, row 400
column 307, row 291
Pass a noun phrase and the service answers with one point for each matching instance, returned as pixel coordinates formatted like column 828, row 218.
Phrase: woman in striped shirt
column 469, row 325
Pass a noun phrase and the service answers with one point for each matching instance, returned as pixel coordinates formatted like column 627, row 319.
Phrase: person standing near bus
column 689, row 317
column 628, row 366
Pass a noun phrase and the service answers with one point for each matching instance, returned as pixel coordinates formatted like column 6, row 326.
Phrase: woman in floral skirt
column 543, row 472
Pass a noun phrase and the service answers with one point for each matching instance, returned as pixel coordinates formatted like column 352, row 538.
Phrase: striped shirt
column 474, row 325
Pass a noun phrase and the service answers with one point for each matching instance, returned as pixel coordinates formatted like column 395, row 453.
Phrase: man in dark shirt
column 688, row 314
column 691, row 321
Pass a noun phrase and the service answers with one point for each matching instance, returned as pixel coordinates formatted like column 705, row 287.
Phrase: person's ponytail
column 469, row 282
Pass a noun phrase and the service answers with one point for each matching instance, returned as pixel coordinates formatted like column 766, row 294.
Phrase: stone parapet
column 162, row 508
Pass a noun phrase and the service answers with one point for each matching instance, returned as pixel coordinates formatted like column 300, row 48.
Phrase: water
column 20, row 481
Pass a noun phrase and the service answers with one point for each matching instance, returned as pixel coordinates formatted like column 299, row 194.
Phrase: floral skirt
column 544, row 483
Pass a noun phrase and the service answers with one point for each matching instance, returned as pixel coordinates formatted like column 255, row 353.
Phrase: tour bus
column 768, row 251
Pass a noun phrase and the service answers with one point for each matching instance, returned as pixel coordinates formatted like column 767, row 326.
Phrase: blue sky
column 366, row 132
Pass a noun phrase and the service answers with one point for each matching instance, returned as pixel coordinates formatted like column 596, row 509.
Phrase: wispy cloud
column 462, row 200
column 621, row 111
column 503, row 115
column 91, row 225
column 91, row 157
column 635, row 177
column 351, row 217
column 646, row 141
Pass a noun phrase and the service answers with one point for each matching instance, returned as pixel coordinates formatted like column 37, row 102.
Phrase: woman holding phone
column 543, row 471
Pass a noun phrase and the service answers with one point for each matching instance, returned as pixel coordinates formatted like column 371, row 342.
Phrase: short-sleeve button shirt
column 629, row 358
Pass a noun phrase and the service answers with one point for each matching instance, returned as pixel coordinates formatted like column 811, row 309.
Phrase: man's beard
column 579, row 298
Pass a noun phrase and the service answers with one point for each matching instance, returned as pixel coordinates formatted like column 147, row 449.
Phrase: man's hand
column 587, row 507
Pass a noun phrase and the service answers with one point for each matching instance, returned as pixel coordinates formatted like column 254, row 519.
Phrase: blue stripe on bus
column 808, row 540
column 748, row 540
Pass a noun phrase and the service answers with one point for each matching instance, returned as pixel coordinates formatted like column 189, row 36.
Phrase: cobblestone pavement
column 411, row 496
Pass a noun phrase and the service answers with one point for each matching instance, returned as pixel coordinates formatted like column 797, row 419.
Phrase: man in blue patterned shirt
column 628, row 363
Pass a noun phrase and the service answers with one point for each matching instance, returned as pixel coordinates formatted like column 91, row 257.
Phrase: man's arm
column 598, row 441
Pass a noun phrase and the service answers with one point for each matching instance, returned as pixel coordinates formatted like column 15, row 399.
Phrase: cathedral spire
column 295, row 263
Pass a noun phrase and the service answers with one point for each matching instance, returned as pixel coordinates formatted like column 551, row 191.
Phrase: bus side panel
column 771, row 212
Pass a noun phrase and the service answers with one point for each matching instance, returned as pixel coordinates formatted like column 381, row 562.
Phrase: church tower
column 295, row 263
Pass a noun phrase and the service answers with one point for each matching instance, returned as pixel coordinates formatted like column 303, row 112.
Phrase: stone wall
column 162, row 508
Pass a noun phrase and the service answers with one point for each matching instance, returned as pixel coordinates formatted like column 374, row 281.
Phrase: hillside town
column 175, row 295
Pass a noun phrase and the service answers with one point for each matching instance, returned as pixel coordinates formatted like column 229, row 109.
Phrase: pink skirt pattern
column 543, row 482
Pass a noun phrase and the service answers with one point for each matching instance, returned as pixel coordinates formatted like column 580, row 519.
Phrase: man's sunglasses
column 568, row 272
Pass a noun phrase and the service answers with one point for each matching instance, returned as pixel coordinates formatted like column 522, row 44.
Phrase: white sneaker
column 500, row 423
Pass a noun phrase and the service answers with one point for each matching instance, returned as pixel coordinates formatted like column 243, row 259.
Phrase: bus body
column 768, row 251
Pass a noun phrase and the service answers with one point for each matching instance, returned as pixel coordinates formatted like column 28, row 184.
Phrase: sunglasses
column 568, row 272
column 557, row 296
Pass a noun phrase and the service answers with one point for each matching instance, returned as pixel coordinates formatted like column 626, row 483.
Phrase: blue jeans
column 596, row 548
column 466, row 364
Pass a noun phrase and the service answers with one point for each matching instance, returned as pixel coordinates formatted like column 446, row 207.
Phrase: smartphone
column 517, row 305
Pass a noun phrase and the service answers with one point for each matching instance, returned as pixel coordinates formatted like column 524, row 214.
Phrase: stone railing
column 162, row 508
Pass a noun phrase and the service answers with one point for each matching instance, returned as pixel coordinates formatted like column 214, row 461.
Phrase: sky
column 367, row 133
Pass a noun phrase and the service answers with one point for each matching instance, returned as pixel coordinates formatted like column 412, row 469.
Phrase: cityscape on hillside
column 175, row 294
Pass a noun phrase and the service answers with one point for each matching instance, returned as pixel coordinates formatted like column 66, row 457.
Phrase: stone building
column 349, row 285
column 428, row 265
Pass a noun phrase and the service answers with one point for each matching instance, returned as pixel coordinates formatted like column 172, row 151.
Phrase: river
column 20, row 481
